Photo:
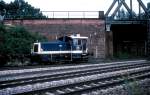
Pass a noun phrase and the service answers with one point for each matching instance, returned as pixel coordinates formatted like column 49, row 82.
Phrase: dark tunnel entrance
column 129, row 41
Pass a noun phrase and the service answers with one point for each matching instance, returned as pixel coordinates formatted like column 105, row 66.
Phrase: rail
column 77, row 81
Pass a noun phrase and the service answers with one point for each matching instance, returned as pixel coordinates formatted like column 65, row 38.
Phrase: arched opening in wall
column 129, row 40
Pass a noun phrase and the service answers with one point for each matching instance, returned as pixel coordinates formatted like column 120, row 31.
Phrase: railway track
column 69, row 82
column 8, row 72
column 38, row 72
column 91, row 85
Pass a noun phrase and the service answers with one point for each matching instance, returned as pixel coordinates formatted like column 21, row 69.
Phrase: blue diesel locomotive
column 66, row 48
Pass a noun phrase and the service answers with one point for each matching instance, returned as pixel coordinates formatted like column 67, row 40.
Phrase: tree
column 2, row 11
column 15, row 42
column 19, row 9
column 2, row 5
column 122, row 15
column 125, row 15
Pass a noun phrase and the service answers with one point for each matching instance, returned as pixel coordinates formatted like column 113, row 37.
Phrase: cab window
column 75, row 41
column 35, row 48
column 79, row 42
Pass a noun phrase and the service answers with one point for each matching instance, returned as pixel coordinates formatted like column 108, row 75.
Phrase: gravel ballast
column 44, row 85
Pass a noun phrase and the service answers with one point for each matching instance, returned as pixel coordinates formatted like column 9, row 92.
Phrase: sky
column 76, row 5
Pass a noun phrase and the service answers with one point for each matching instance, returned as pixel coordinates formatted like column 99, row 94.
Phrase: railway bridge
column 109, row 34
column 127, row 35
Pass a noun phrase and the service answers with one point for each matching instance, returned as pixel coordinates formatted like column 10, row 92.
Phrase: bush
column 15, row 43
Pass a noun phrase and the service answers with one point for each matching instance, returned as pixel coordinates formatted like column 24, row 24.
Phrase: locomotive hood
column 55, row 45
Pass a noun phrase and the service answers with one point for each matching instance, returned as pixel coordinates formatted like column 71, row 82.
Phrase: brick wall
column 53, row 28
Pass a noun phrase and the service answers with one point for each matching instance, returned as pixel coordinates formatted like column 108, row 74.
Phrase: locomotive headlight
column 60, row 46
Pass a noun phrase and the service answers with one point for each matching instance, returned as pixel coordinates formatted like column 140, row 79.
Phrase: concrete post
column 109, row 44
column 109, row 40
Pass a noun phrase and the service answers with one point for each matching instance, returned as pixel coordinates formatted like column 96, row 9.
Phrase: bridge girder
column 129, row 9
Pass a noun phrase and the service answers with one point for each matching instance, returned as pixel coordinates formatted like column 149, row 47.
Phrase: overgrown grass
column 134, row 87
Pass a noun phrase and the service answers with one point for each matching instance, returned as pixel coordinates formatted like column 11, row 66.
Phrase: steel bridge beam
column 131, row 8
column 127, row 7
column 116, row 10
column 110, row 8
column 144, row 7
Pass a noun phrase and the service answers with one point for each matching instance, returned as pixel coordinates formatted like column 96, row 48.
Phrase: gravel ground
column 75, row 69
column 45, row 85
column 5, row 72
column 142, row 88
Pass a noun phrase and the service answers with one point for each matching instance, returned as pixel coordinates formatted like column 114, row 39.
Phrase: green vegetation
column 122, row 55
column 19, row 9
column 125, row 15
column 15, row 43
column 134, row 87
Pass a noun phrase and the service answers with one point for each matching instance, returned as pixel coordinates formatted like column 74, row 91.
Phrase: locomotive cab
column 79, row 46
